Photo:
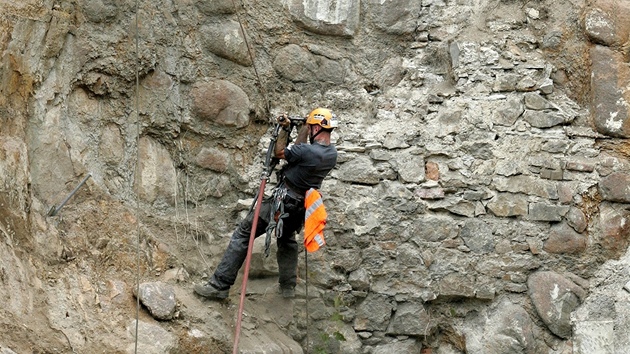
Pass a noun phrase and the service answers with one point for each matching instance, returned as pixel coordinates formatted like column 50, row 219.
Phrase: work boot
column 209, row 291
column 287, row 292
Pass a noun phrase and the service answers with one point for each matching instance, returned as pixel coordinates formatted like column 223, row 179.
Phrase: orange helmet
column 323, row 117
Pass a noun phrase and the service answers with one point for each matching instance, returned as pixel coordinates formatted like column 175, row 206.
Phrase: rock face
column 479, row 204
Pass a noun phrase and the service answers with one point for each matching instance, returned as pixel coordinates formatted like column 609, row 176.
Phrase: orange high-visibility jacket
column 314, row 221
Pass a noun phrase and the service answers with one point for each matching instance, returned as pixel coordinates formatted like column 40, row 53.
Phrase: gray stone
column 508, row 167
column 557, row 175
column 552, row 39
column 411, row 319
column 432, row 228
column 576, row 219
column 515, row 288
column 391, row 73
column 543, row 119
column 599, row 25
column 475, row 195
column 321, row 274
column 374, row 313
column 526, row 83
column 546, row 86
column 505, row 82
column 477, row 235
column 410, row 167
column 613, row 187
column 409, row 256
column 536, row 102
column 545, row 161
column 507, row 204
column 359, row 170
column 50, row 163
column 547, row 212
column 396, row 17
column 509, row 111
column 99, row 11
column 463, row 208
column 554, row 298
column 332, row 337
column 346, row 260
column 485, row 292
column 455, row 286
column 359, row 279
column 159, row 298
column 395, row 141
column 430, row 193
column 556, row 146
column 449, row 121
column 564, row 239
column 529, row 185
column 580, row 166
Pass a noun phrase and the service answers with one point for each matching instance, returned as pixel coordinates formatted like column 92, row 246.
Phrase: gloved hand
column 284, row 122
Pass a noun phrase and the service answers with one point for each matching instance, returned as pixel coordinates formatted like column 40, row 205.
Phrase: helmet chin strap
column 311, row 136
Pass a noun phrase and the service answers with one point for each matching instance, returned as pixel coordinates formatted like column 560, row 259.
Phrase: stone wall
column 479, row 203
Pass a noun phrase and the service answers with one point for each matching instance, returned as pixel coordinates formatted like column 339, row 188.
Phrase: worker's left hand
column 284, row 121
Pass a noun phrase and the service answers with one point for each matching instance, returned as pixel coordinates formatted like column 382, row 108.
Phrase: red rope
column 248, row 259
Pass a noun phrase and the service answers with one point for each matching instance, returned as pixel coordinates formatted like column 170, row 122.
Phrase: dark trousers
column 286, row 255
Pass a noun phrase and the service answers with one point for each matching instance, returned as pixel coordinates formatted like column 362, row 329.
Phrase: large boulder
column 554, row 298
column 225, row 39
column 340, row 19
column 220, row 102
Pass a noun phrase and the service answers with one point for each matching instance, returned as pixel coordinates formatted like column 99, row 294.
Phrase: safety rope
column 270, row 164
column 137, row 105
column 248, row 258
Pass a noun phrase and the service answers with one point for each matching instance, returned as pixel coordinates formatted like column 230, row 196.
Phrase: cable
column 137, row 104
column 306, row 286
column 251, row 56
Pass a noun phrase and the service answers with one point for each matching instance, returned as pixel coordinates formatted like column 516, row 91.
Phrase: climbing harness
column 276, row 216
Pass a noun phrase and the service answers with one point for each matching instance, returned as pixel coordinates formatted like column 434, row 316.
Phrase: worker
column 306, row 167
